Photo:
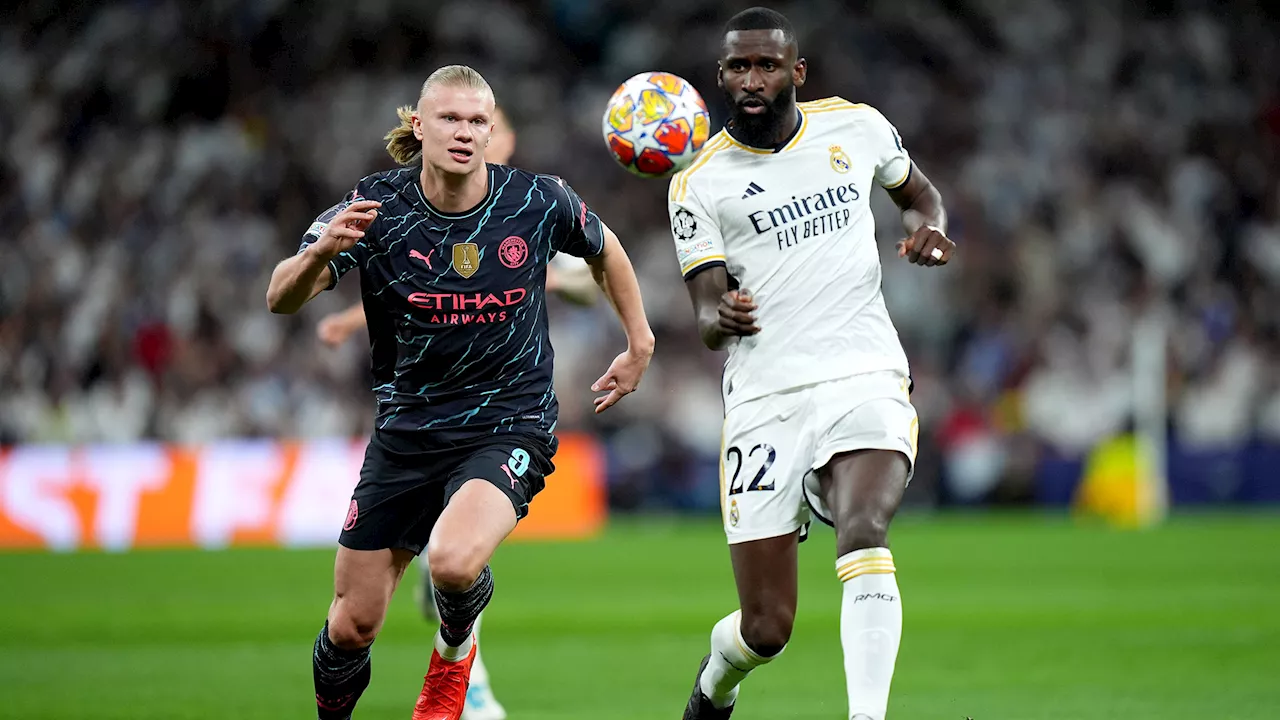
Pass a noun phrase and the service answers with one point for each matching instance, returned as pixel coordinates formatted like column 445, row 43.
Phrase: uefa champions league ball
column 655, row 124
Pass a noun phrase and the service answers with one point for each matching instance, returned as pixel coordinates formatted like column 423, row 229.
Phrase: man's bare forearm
column 920, row 202
column 925, row 209
column 296, row 280
column 617, row 279
column 705, row 290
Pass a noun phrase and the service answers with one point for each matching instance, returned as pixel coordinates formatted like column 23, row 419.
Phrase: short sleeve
column 893, row 163
column 696, row 234
column 347, row 260
column 582, row 234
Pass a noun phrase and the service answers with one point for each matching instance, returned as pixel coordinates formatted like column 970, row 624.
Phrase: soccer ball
column 655, row 124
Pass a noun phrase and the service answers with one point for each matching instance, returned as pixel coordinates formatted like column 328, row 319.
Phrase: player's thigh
column 863, row 489
column 477, row 519
column 864, row 458
column 401, row 490
column 763, row 458
column 487, row 494
column 368, row 575
column 363, row 584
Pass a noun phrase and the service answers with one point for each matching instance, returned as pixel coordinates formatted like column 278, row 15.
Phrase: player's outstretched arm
column 722, row 313
column 925, row 220
column 617, row 278
column 334, row 328
column 297, row 280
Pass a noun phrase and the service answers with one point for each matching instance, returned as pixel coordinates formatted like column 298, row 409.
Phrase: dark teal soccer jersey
column 456, row 303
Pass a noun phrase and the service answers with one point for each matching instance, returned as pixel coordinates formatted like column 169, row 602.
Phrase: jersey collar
column 422, row 197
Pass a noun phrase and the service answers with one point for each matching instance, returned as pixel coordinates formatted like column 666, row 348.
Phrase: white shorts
column 773, row 447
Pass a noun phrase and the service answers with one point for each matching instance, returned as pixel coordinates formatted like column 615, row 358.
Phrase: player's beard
column 761, row 130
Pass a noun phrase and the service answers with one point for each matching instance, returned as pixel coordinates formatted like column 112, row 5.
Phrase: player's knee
column 352, row 627
column 768, row 632
column 454, row 568
column 861, row 531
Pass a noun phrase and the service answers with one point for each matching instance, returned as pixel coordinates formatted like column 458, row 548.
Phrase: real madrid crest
column 466, row 258
column 733, row 513
column 839, row 160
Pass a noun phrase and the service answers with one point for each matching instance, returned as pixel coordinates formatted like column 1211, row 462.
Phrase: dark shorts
column 406, row 482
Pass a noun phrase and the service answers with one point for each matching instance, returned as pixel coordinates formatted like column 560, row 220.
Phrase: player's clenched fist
column 346, row 228
column 927, row 246
column 737, row 314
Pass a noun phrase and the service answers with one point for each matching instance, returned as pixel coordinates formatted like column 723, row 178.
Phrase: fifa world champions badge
column 466, row 258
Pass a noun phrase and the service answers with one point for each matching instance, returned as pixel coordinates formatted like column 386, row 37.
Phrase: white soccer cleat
column 481, row 704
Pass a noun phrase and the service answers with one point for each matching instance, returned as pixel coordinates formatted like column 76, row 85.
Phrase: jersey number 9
column 518, row 463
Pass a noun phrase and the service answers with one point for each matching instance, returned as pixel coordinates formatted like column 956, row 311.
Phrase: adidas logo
column 752, row 189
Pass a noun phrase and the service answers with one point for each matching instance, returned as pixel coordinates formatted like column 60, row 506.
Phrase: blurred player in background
column 567, row 277
column 452, row 256
column 776, row 241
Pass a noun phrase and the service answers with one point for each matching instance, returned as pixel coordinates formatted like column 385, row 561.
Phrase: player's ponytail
column 403, row 146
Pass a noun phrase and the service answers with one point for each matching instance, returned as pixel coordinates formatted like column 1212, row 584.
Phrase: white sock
column 454, row 654
column 870, row 628
column 479, row 673
column 731, row 661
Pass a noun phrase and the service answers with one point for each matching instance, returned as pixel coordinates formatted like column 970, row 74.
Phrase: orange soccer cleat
column 444, row 689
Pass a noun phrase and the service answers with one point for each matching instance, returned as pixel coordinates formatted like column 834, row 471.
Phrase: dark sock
column 340, row 677
column 458, row 611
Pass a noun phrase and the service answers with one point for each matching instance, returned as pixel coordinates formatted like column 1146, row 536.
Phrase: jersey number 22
column 768, row 455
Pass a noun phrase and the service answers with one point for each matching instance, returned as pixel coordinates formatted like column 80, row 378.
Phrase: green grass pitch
column 1016, row 617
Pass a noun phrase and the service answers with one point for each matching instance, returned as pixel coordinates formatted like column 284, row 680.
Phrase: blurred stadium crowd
column 1102, row 161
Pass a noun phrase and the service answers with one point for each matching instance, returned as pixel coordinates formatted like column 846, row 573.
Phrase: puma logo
column 510, row 477
column 414, row 254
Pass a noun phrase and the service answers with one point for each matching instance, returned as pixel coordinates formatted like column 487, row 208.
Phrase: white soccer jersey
column 794, row 227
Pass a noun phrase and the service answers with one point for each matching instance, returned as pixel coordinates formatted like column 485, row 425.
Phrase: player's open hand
column 737, row 314
column 621, row 379
column 334, row 329
column 346, row 228
column 927, row 246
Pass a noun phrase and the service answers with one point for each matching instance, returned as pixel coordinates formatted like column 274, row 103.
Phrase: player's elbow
column 278, row 300
column 275, row 302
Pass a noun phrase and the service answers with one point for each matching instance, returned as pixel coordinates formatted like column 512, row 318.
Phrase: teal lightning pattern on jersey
column 456, row 303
